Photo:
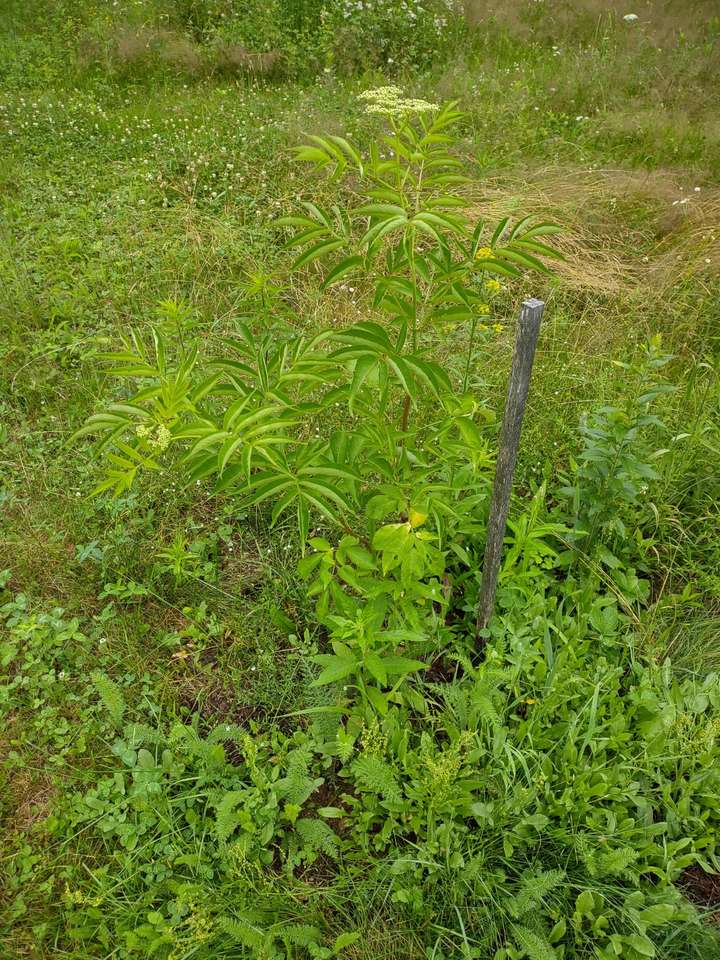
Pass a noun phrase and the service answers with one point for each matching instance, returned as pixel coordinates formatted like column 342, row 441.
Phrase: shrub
column 410, row 490
column 301, row 37
column 388, row 33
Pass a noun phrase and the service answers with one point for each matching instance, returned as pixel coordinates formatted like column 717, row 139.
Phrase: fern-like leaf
column 226, row 819
column 242, row 931
column 299, row 934
column 376, row 776
column 111, row 696
column 535, row 945
column 534, row 889
column 227, row 733
column 297, row 786
column 318, row 836
column 615, row 862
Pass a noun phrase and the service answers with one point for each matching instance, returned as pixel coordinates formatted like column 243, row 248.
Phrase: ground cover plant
column 261, row 271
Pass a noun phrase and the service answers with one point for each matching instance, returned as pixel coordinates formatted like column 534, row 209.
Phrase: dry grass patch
column 235, row 58
column 691, row 248
column 33, row 794
column 136, row 48
column 605, row 250
column 29, row 793
column 661, row 20
column 132, row 47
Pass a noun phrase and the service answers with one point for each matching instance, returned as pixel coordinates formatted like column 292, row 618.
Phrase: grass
column 124, row 187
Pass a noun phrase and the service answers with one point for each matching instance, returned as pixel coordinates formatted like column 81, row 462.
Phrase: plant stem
column 471, row 346
column 405, row 413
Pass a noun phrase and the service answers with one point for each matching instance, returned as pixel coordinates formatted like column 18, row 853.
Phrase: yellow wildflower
column 485, row 253
column 483, row 309
column 498, row 327
column 493, row 286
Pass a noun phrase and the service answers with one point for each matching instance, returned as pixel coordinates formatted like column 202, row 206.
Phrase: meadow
column 261, row 266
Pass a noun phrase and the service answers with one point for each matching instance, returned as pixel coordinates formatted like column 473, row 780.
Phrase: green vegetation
column 261, row 265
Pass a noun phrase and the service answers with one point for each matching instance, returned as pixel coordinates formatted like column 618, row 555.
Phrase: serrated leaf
column 314, row 253
column 342, row 269
column 335, row 668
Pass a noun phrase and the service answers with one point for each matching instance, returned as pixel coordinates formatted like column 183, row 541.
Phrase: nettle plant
column 612, row 479
column 358, row 429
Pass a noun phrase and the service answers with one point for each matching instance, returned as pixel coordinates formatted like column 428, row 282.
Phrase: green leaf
column 299, row 934
column 145, row 760
column 111, row 696
column 387, row 194
column 542, row 230
column 641, row 944
column 658, row 914
column 537, row 247
column 585, row 904
column 296, row 221
column 377, row 699
column 303, row 518
column 314, row 233
column 401, row 666
column 534, row 944
column 380, row 210
column 427, row 228
column 335, row 668
column 499, row 230
column 345, row 940
column 361, row 557
column 517, row 229
column 604, row 619
column 440, row 220
column 432, row 374
column 523, row 259
column 379, row 230
column 314, row 253
column 376, row 667
column 229, row 478
column 321, row 544
column 312, row 155
column 342, row 269
column 243, row 931
column 349, row 150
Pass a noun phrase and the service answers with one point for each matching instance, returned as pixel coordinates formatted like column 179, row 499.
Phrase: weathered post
column 522, row 363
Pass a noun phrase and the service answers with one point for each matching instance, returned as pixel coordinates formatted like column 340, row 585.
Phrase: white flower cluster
column 391, row 101
column 409, row 8
column 160, row 441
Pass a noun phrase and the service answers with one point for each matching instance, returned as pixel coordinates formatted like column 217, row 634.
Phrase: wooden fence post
column 522, row 363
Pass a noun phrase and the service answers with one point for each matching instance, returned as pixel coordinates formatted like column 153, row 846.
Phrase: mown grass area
column 165, row 786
